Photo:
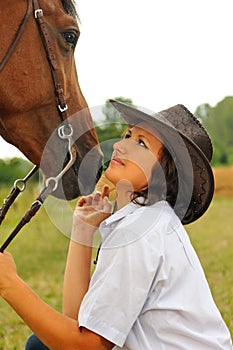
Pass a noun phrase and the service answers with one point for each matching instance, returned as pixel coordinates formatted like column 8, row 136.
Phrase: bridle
column 48, row 45
column 17, row 37
column 65, row 131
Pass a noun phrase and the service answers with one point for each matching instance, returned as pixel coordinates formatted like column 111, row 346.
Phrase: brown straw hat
column 191, row 149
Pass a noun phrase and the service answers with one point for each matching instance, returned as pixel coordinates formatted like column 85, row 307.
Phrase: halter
column 65, row 131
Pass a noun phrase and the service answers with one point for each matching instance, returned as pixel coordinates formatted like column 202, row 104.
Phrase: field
column 40, row 251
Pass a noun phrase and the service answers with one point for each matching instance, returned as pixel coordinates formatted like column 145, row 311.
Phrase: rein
column 19, row 186
column 65, row 131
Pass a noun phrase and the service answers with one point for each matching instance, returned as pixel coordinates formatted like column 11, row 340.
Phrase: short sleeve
column 119, row 287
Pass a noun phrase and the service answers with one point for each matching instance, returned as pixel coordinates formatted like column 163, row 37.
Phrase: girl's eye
column 71, row 37
column 127, row 136
column 142, row 143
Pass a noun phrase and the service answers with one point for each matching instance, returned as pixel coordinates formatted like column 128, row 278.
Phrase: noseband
column 65, row 131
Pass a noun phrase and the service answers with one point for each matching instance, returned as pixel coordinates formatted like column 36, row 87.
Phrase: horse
column 39, row 90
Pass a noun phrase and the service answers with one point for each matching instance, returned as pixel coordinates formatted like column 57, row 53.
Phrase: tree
column 218, row 121
column 202, row 112
column 111, row 114
column 14, row 168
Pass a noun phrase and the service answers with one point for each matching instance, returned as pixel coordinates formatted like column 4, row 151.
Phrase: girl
column 148, row 291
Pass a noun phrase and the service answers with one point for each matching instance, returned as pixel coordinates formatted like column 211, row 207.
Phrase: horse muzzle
column 82, row 177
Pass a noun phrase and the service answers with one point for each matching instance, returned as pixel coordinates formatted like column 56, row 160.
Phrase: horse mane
column 69, row 7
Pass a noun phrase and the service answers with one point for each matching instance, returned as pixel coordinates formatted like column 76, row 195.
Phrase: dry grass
column 223, row 182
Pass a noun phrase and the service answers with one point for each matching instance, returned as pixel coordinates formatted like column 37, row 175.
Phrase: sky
column 156, row 52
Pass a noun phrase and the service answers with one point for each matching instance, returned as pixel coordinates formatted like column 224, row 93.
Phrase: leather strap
column 51, row 56
column 27, row 217
column 17, row 36
column 16, row 190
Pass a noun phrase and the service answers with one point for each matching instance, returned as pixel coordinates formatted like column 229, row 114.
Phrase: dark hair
column 163, row 184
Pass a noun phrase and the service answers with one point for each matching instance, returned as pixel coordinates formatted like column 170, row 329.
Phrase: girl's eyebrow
column 144, row 136
column 129, row 130
column 141, row 135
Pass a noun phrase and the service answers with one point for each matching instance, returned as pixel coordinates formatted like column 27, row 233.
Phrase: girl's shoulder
column 134, row 222
column 158, row 214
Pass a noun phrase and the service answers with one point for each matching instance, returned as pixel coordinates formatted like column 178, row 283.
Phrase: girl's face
column 134, row 157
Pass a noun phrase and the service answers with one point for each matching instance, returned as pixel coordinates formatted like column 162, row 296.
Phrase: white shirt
column 148, row 291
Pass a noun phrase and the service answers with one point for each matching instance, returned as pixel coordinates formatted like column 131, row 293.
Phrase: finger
column 89, row 200
column 97, row 196
column 81, row 202
column 107, row 206
column 105, row 191
column 85, row 200
column 97, row 203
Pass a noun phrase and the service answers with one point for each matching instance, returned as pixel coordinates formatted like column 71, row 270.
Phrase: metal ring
column 55, row 183
column 62, row 129
column 23, row 184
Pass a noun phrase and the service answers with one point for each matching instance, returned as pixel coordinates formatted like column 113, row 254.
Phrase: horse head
column 29, row 113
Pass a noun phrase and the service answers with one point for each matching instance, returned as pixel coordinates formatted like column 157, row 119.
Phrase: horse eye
column 71, row 38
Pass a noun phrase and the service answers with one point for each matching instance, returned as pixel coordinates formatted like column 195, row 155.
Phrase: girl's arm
column 89, row 213
column 76, row 278
column 55, row 330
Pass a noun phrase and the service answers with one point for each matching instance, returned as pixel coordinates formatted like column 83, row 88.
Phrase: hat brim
column 195, row 174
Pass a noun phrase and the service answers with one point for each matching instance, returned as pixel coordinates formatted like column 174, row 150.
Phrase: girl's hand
column 7, row 272
column 90, row 211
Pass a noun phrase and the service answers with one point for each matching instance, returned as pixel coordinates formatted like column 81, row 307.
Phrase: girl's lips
column 116, row 161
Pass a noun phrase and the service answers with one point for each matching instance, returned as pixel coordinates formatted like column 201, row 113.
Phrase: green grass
column 212, row 237
column 40, row 253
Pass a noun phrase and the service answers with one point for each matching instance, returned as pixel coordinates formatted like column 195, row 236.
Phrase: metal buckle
column 38, row 12
column 62, row 109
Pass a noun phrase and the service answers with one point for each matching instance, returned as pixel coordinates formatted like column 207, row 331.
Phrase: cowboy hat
column 191, row 149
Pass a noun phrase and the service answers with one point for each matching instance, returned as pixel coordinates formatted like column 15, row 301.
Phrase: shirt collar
column 130, row 208
column 121, row 213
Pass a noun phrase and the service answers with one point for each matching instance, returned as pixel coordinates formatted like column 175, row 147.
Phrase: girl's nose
column 120, row 146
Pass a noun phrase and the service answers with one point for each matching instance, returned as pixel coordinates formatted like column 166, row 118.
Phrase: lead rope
column 19, row 187
column 50, row 186
column 27, row 217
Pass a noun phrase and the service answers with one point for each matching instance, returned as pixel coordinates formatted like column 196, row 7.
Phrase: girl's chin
column 109, row 177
